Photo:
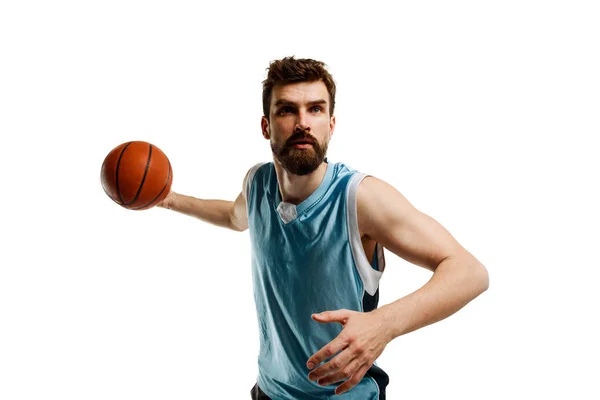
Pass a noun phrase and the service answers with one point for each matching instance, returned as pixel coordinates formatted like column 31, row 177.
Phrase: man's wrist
column 168, row 201
column 392, row 328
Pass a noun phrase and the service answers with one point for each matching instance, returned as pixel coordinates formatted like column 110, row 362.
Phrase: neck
column 295, row 189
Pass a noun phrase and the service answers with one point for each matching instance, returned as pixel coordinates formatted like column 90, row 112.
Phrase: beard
column 300, row 161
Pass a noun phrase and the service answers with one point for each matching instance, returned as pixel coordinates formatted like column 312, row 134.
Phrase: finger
column 354, row 379
column 329, row 350
column 338, row 362
column 342, row 373
column 340, row 316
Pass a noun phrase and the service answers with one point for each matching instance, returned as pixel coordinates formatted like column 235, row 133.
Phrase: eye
column 285, row 110
column 316, row 109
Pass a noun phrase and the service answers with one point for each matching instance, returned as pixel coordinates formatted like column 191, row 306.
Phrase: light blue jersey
column 308, row 258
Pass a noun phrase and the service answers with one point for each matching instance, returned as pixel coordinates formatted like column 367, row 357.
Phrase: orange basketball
column 136, row 175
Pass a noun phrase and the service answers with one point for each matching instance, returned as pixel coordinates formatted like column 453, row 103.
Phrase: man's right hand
column 168, row 201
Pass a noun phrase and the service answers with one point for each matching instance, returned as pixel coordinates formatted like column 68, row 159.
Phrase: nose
column 302, row 123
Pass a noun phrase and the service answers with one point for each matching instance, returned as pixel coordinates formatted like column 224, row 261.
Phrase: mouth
column 301, row 145
column 302, row 141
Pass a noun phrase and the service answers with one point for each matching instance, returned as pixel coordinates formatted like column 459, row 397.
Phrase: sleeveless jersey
column 308, row 258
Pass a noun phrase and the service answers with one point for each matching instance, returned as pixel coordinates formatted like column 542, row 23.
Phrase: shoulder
column 380, row 204
column 250, row 176
column 343, row 175
column 386, row 216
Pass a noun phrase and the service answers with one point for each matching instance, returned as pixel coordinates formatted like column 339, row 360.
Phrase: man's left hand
column 362, row 340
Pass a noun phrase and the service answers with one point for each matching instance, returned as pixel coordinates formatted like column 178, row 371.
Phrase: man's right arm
column 223, row 213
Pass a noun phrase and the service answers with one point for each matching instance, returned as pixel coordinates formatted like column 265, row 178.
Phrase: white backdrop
column 482, row 115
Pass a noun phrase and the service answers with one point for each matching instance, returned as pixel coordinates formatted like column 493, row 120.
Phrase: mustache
column 301, row 137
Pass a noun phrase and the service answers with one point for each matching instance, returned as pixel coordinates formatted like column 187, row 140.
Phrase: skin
column 294, row 107
column 384, row 216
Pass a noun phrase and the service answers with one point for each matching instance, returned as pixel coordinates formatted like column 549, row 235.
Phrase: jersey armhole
column 249, row 180
column 370, row 277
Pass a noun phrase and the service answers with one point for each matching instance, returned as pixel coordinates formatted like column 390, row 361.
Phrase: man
column 317, row 233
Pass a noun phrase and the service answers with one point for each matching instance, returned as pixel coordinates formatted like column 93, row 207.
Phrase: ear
column 331, row 126
column 264, row 125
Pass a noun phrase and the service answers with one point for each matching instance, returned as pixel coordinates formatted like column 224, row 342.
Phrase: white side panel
column 249, row 180
column 370, row 277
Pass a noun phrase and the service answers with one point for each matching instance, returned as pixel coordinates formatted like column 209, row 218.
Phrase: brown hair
column 289, row 70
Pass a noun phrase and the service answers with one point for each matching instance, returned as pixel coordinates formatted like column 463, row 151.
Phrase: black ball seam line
column 117, row 173
column 161, row 192
column 143, row 178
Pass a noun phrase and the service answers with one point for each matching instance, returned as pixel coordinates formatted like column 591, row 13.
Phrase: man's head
column 290, row 70
column 298, row 104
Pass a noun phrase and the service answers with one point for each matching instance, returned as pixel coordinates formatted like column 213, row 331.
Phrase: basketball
column 136, row 175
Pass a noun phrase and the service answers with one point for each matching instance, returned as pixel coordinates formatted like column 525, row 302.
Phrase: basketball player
column 317, row 232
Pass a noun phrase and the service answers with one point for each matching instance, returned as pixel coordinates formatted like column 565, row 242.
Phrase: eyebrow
column 310, row 103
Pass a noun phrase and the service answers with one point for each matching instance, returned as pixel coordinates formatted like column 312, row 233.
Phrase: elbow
column 481, row 278
column 238, row 227
column 474, row 275
column 235, row 223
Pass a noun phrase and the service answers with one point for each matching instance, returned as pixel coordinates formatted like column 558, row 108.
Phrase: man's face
column 299, row 125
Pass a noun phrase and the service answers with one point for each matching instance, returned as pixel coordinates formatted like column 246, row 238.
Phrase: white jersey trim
column 249, row 180
column 369, row 276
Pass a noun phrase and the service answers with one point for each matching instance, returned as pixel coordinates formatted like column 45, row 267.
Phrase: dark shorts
column 258, row 394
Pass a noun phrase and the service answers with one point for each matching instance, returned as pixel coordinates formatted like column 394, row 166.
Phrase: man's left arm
column 387, row 217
